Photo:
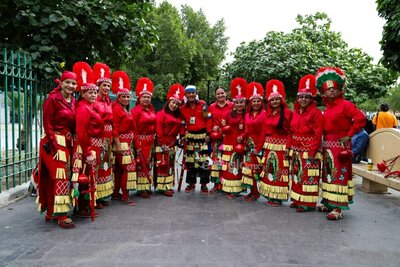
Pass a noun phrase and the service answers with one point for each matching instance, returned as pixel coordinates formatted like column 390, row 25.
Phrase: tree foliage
column 390, row 43
column 189, row 49
column 68, row 31
column 290, row 56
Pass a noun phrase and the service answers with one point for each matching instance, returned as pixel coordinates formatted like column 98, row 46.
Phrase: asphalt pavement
column 191, row 229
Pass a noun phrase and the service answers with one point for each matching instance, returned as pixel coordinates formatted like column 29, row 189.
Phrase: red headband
column 68, row 75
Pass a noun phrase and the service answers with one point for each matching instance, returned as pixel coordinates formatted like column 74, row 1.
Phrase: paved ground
column 196, row 230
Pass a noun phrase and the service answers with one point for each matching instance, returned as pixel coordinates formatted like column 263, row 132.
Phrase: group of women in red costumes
column 95, row 150
column 302, row 155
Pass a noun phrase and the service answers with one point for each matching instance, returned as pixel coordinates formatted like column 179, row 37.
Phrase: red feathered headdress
column 144, row 86
column 121, row 83
column 176, row 92
column 255, row 90
column 102, row 73
column 238, row 88
column 274, row 89
column 84, row 76
column 307, row 86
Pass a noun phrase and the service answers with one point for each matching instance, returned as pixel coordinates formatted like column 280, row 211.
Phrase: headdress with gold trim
column 329, row 77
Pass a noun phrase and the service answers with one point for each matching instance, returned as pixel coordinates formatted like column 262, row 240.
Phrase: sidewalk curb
column 13, row 194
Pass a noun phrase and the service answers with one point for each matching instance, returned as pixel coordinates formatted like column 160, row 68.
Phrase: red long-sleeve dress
column 145, row 129
column 125, row 166
column 105, row 183
column 304, row 146
column 54, row 165
column 89, row 142
column 341, row 118
column 215, row 115
column 168, row 127
column 274, row 184
column 231, row 161
column 254, row 125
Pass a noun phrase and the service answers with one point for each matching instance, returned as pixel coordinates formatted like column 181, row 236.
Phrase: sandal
column 335, row 215
column 249, row 198
column 168, row 193
column 128, row 202
column 293, row 206
column 66, row 223
column 323, row 208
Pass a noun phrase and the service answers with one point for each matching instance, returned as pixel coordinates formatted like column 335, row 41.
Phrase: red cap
column 144, row 86
column 255, row 90
column 238, row 88
column 121, row 83
column 68, row 75
column 176, row 92
column 274, row 89
column 84, row 76
column 102, row 73
column 307, row 86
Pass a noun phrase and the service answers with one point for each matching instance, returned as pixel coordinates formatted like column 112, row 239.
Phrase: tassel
column 60, row 173
column 127, row 159
column 60, row 139
column 62, row 155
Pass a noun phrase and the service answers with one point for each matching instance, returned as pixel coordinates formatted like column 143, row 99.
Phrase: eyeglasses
column 304, row 97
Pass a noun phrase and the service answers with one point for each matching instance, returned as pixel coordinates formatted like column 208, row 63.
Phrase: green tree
column 313, row 45
column 189, row 50
column 68, row 31
column 390, row 43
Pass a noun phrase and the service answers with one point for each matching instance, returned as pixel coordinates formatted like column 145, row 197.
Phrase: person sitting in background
column 360, row 142
column 384, row 118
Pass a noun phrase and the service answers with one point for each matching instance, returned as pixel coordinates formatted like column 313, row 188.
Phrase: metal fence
column 21, row 98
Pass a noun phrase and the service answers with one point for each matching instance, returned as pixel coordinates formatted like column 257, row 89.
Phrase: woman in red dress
column 233, row 129
column 144, row 118
column 89, row 140
column 342, row 120
column 168, row 125
column 216, row 112
column 254, row 124
column 123, row 129
column 304, row 147
column 274, row 184
column 55, row 151
column 104, row 183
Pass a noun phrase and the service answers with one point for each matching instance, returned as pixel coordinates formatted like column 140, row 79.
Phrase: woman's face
column 304, row 100
column 145, row 100
column 220, row 95
column 239, row 104
column 68, row 86
column 90, row 95
column 104, row 88
column 275, row 102
column 256, row 104
column 173, row 105
column 124, row 100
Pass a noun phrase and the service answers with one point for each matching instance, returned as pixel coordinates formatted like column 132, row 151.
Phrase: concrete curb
column 13, row 194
